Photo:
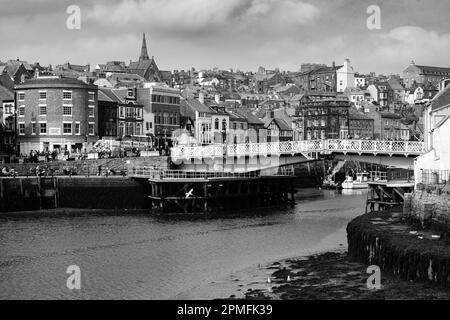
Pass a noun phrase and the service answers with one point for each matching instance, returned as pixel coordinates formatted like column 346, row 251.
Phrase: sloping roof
column 198, row 106
column 280, row 123
column 432, row 70
column 390, row 115
column 354, row 115
column 126, row 77
column 108, row 95
column 54, row 81
column 441, row 99
column 104, row 97
column 166, row 75
column 7, row 82
column 103, row 83
column 251, row 118
column 5, row 94
column 395, row 85
column 141, row 66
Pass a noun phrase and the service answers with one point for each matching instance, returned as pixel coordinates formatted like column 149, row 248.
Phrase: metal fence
column 432, row 177
column 392, row 175
column 183, row 174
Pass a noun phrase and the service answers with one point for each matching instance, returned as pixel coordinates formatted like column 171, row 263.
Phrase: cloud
column 199, row 16
column 408, row 43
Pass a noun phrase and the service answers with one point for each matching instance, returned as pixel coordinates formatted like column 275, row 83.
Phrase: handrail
column 374, row 147
column 185, row 174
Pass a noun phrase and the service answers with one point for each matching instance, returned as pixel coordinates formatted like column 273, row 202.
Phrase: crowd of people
column 6, row 172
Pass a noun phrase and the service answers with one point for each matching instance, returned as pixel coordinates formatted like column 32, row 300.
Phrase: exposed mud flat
column 335, row 276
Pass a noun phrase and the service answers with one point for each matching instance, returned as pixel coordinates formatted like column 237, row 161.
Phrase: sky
column 238, row 34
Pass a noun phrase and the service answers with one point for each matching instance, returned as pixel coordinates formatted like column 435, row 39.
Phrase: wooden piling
column 219, row 195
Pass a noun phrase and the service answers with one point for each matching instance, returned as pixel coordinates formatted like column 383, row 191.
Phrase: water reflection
column 141, row 257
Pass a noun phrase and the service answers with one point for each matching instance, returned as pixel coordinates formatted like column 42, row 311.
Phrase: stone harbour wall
column 29, row 194
column 431, row 203
column 374, row 240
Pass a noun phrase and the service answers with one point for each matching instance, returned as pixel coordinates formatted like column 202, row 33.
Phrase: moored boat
column 361, row 181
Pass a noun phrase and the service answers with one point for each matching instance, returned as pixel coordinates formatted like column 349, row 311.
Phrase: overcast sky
column 239, row 34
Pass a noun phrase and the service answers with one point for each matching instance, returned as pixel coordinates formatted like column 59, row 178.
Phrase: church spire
column 144, row 52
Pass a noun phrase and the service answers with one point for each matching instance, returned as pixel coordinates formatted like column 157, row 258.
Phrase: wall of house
column 438, row 156
column 345, row 77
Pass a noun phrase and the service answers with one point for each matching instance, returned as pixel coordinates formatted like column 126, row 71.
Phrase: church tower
column 144, row 53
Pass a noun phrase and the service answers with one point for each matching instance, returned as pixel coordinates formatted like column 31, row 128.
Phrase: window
column 22, row 129
column 91, row 111
column 42, row 110
column 224, row 125
column 21, row 96
column 130, row 112
column 91, row 128
column 33, row 128
column 42, row 95
column 138, row 129
column 21, row 111
column 216, row 124
column 67, row 95
column 67, row 110
column 121, row 113
column 91, row 96
column 77, row 128
column 43, row 128
column 121, row 129
column 67, row 128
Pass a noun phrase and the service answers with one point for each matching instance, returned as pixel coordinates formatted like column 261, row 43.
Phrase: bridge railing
column 295, row 147
column 375, row 146
column 152, row 173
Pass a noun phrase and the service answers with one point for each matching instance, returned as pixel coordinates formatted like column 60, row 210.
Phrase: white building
column 345, row 76
column 360, row 81
column 436, row 135
column 355, row 95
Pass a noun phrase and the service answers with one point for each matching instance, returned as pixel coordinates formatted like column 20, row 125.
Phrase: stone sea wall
column 431, row 203
column 400, row 249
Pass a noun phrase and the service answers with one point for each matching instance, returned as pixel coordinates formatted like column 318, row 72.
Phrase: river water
column 143, row 257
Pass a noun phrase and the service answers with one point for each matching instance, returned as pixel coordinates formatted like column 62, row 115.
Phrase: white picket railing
column 374, row 147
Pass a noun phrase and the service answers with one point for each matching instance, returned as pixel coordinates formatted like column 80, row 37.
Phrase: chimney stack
column 201, row 97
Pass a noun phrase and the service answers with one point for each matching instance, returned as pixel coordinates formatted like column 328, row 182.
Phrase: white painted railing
column 149, row 172
column 374, row 147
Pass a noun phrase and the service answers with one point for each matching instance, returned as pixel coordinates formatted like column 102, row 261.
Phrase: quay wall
column 28, row 194
column 431, row 203
column 398, row 252
column 90, row 167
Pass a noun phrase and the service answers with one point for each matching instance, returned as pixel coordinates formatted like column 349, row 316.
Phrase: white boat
column 361, row 181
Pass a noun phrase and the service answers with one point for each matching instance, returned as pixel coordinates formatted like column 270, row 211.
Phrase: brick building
column 161, row 113
column 326, row 119
column 424, row 74
column 7, row 124
column 56, row 114
column 360, row 126
column 323, row 79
